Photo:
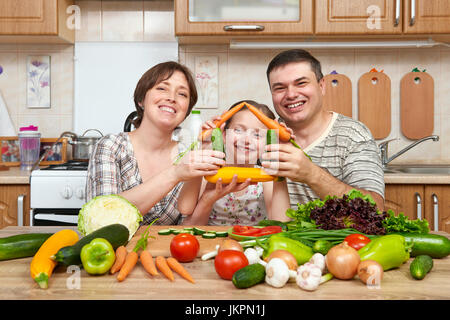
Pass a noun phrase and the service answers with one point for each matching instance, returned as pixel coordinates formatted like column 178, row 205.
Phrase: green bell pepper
column 300, row 251
column 97, row 256
column 391, row 251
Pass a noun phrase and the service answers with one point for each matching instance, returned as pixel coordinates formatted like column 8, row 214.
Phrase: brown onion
column 286, row 256
column 342, row 261
column 230, row 244
column 370, row 272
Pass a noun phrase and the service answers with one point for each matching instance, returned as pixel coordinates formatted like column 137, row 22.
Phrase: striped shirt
column 348, row 152
column 113, row 169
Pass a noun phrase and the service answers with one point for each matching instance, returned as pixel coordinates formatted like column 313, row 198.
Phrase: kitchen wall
column 241, row 73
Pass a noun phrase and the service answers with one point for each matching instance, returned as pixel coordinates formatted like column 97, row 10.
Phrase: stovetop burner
column 69, row 165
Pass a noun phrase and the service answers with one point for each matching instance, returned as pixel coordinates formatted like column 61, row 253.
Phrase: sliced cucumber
column 222, row 234
column 198, row 231
column 209, row 235
column 165, row 232
column 188, row 229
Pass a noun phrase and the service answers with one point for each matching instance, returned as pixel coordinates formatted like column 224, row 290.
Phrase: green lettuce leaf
column 401, row 223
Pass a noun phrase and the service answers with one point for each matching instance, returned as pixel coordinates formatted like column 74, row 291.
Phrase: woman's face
column 166, row 104
column 245, row 138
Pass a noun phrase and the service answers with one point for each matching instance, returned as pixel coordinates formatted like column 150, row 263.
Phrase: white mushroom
column 319, row 260
column 278, row 273
column 309, row 276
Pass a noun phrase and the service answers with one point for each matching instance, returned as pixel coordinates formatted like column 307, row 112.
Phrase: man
column 343, row 152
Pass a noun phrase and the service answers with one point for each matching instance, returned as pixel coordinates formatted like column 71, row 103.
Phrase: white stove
column 57, row 193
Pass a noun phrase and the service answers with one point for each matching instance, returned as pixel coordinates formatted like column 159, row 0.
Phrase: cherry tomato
column 227, row 262
column 184, row 247
column 357, row 241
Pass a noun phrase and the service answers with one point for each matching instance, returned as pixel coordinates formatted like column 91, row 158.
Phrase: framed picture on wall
column 10, row 151
column 53, row 155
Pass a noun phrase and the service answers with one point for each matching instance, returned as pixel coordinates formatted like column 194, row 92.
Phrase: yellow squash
column 42, row 265
column 227, row 173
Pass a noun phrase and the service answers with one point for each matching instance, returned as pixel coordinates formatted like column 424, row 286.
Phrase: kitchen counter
column 15, row 281
column 15, row 176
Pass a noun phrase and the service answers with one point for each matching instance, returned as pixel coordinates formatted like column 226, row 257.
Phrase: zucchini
column 268, row 222
column 249, row 276
column 217, row 140
column 209, row 235
column 420, row 266
column 433, row 245
column 21, row 245
column 117, row 234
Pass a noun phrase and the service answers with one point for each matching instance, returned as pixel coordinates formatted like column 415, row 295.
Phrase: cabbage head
column 108, row 209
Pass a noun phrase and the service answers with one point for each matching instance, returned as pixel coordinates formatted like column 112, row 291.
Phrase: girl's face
column 165, row 105
column 244, row 138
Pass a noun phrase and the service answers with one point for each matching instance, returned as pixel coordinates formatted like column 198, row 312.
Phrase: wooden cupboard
column 36, row 21
column 14, row 201
column 431, row 202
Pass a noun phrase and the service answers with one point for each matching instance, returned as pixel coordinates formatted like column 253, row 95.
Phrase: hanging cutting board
column 417, row 105
column 338, row 94
column 374, row 103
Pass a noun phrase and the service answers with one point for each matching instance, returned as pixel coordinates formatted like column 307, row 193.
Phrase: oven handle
column 20, row 204
column 57, row 217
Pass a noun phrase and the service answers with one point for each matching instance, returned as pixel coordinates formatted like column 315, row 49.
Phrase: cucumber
column 198, row 231
column 271, row 138
column 117, row 234
column 268, row 222
column 249, row 276
column 165, row 232
column 420, row 266
column 21, row 245
column 217, row 140
column 322, row 246
column 222, row 234
column 433, row 245
column 209, row 235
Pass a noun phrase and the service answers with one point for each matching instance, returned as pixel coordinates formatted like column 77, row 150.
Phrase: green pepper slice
column 97, row 256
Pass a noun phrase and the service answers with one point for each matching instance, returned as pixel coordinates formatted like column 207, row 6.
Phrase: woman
column 140, row 165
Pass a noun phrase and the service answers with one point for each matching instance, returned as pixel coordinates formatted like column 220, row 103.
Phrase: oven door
column 54, row 217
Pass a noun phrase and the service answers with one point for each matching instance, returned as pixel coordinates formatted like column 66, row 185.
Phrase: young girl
column 246, row 203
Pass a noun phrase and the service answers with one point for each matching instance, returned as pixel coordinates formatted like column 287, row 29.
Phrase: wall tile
column 122, row 20
column 91, row 21
column 159, row 21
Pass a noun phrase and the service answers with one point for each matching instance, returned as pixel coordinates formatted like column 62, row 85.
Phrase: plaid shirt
column 113, row 169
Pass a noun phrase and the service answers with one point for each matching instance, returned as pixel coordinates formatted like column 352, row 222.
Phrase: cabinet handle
column 419, row 206
column 413, row 13
column 243, row 28
column 397, row 13
column 20, row 210
column 435, row 212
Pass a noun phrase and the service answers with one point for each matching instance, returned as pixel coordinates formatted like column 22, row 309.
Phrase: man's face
column 296, row 94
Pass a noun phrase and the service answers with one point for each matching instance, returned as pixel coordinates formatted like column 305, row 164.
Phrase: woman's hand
column 214, row 192
column 198, row 163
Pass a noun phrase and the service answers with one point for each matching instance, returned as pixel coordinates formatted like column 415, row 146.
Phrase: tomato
column 227, row 262
column 184, row 247
column 356, row 240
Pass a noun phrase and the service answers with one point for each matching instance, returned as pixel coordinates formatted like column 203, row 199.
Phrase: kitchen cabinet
column 29, row 21
column 14, row 201
column 351, row 17
column 431, row 202
column 427, row 16
column 228, row 18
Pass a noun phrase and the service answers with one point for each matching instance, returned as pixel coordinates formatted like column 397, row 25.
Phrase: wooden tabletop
column 64, row 284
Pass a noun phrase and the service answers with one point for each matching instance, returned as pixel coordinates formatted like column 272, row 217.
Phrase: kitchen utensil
column 29, row 145
column 374, row 103
column 417, row 105
column 83, row 145
column 338, row 94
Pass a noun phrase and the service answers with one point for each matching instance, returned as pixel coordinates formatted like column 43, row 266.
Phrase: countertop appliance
column 57, row 193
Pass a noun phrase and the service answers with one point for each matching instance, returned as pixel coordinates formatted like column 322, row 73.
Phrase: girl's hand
column 198, row 163
column 215, row 192
column 289, row 130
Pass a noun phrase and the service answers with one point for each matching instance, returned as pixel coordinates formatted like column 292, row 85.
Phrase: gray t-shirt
column 348, row 152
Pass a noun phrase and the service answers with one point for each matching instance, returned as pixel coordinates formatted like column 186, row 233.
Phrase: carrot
column 223, row 118
column 147, row 262
column 162, row 265
column 178, row 268
column 121, row 254
column 270, row 123
column 130, row 262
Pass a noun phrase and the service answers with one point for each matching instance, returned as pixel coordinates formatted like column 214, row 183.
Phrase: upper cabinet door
column 425, row 16
column 358, row 17
column 231, row 17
